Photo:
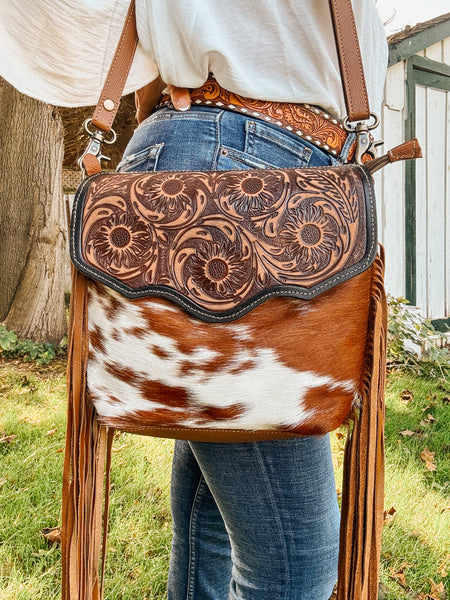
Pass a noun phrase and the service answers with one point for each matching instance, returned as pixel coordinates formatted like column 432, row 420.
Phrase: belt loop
column 344, row 155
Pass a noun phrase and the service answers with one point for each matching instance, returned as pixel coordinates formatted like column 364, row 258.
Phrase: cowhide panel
column 289, row 365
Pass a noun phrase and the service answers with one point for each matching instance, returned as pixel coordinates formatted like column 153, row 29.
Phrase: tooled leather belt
column 308, row 122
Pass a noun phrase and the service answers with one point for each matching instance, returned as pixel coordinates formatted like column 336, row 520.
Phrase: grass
column 33, row 409
column 416, row 538
column 419, row 491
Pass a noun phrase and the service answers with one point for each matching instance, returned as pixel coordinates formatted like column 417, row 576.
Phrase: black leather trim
column 192, row 307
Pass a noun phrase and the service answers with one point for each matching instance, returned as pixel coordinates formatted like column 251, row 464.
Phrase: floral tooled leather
column 225, row 241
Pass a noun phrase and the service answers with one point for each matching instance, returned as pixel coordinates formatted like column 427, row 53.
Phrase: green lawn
column 416, row 540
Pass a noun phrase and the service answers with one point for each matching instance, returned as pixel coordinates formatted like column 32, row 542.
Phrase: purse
column 197, row 296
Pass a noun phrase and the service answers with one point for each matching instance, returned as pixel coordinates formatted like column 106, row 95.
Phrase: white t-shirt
column 59, row 51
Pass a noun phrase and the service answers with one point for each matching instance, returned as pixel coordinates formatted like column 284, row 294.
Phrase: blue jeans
column 257, row 520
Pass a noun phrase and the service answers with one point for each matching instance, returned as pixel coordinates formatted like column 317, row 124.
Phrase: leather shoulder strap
column 352, row 72
column 108, row 104
column 350, row 62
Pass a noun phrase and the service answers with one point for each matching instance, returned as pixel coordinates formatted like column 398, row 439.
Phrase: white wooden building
column 414, row 197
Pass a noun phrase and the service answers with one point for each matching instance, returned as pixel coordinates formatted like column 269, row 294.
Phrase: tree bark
column 32, row 228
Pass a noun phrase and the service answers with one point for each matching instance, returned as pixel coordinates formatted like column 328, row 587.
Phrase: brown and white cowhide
column 289, row 365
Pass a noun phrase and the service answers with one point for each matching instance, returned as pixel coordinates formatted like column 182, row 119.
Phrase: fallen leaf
column 7, row 439
column 52, row 534
column 389, row 516
column 406, row 397
column 398, row 574
column 437, row 590
column 428, row 420
column 442, row 568
column 430, row 466
column 51, row 432
column 407, row 432
column 431, row 405
column 427, row 455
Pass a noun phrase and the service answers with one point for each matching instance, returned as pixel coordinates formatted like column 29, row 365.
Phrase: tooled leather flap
column 220, row 243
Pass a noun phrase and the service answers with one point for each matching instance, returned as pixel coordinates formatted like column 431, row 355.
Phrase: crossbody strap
column 349, row 55
column 350, row 62
column 108, row 104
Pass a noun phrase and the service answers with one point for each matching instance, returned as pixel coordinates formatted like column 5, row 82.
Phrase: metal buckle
column 97, row 138
column 364, row 143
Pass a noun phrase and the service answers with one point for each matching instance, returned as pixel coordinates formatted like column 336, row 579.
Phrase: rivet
column 108, row 104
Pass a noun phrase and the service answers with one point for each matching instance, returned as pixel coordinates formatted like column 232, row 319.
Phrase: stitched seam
column 306, row 150
column 344, row 61
column 124, row 77
column 140, row 157
column 191, row 115
column 216, row 153
column 401, row 155
column 273, row 121
column 235, row 314
column 247, row 159
column 250, row 127
column 268, row 432
column 192, row 552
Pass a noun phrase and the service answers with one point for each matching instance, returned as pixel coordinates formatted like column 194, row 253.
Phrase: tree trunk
column 32, row 228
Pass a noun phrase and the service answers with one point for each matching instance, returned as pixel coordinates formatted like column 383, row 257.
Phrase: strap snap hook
column 94, row 147
column 365, row 144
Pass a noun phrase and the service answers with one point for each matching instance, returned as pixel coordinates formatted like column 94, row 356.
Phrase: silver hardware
column 364, row 143
column 97, row 138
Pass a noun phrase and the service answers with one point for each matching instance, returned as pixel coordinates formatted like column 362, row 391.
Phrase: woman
column 251, row 521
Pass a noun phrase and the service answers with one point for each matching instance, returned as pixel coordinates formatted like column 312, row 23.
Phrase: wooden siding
column 432, row 203
column 390, row 183
column 414, row 199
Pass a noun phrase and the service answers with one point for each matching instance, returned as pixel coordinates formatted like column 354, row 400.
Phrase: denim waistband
column 309, row 122
column 208, row 138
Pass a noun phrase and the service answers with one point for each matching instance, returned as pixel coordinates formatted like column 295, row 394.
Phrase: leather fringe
column 363, row 486
column 87, row 445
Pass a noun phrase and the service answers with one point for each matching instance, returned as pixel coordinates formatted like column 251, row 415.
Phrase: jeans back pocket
column 276, row 147
column 144, row 160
